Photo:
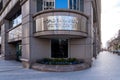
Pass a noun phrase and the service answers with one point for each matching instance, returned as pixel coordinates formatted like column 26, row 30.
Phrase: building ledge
column 60, row 10
column 62, row 34
column 61, row 22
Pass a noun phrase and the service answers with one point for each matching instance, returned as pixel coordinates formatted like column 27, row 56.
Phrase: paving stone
column 105, row 67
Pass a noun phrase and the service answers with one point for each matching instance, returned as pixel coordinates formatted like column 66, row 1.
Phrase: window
column 59, row 48
column 81, row 5
column 76, row 5
column 45, row 5
column 60, row 4
column 39, row 5
column 48, row 4
column 16, row 19
column 18, row 51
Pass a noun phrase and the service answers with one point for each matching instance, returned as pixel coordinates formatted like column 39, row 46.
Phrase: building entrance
column 59, row 48
column 18, row 50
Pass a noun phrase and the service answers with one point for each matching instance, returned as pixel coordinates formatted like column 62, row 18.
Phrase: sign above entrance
column 60, row 23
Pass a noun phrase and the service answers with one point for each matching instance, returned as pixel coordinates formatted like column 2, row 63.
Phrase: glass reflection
column 39, row 5
column 76, row 5
column 17, row 21
column 59, row 48
column 62, row 4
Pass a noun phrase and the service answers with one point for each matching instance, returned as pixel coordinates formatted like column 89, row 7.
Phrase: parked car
column 116, row 51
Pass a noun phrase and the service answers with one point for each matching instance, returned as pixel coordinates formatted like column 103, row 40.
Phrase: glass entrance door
column 18, row 51
column 59, row 48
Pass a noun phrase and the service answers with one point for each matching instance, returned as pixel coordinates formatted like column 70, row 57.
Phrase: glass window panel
column 17, row 21
column 61, row 4
column 70, row 4
column 45, row 5
column 48, row 4
column 78, row 4
column 75, row 4
column 39, row 5
column 59, row 48
column 81, row 5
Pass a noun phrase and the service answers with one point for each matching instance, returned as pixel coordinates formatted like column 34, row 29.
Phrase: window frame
column 79, row 5
column 45, row 5
column 18, row 15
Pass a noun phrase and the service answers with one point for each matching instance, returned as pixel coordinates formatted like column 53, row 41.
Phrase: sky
column 110, row 19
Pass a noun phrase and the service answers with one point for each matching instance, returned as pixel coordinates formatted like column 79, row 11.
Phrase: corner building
column 36, row 29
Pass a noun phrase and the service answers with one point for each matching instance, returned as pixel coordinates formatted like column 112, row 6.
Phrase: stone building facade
column 114, row 44
column 35, row 29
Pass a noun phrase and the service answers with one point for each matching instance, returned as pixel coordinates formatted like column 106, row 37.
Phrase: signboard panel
column 60, row 23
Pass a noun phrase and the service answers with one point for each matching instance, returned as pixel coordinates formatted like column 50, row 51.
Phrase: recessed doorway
column 59, row 48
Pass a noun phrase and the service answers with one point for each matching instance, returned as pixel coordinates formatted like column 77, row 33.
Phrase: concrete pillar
column 7, row 50
column 95, row 41
column 88, row 10
column 32, row 48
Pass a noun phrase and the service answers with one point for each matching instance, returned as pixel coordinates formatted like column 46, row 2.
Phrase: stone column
column 83, row 48
column 32, row 48
column 95, row 41
column 88, row 10
column 7, row 50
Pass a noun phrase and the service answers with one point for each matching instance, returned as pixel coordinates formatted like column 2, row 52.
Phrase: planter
column 60, row 68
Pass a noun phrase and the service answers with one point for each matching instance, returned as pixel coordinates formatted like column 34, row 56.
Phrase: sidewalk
column 9, row 65
column 105, row 67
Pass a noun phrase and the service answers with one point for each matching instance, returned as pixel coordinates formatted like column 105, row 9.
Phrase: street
column 105, row 67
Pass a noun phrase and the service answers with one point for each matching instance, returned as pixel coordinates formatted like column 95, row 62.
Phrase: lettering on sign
column 61, row 23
